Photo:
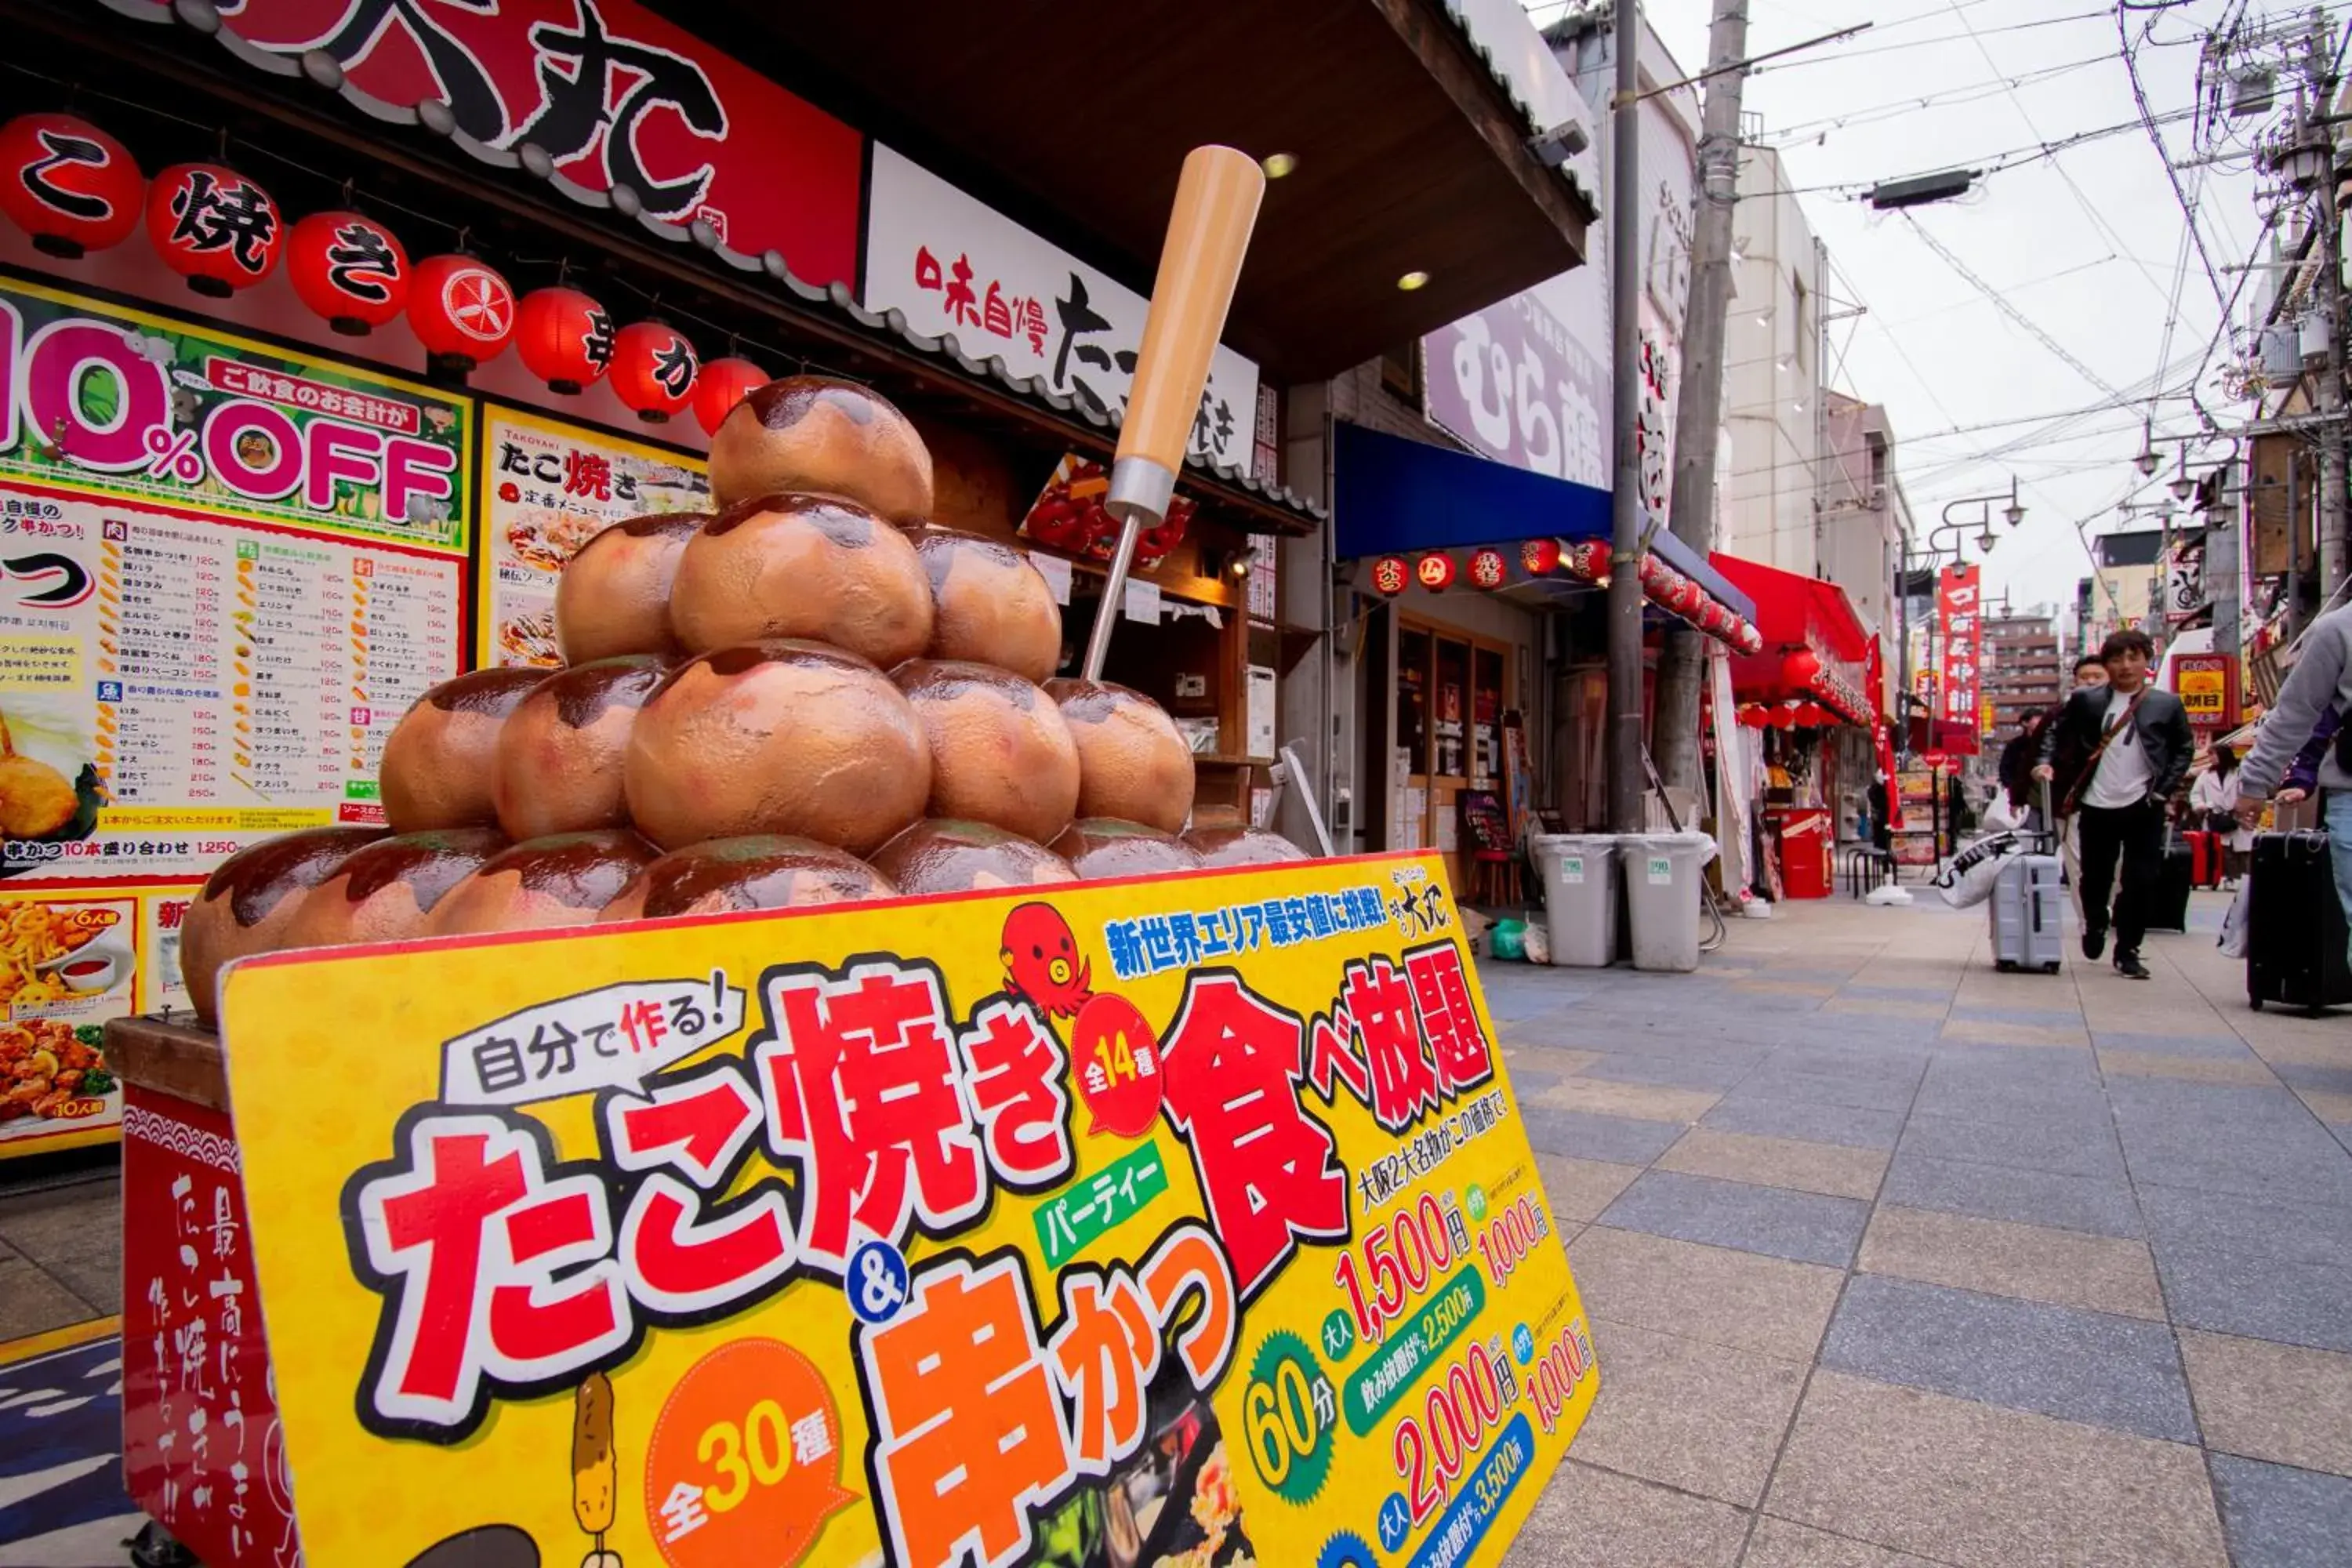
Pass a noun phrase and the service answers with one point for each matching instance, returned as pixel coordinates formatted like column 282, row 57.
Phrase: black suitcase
column 2175, row 874
column 2295, row 925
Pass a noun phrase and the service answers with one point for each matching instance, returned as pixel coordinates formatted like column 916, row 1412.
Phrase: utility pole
column 1698, row 403
column 1625, row 770
column 2313, row 167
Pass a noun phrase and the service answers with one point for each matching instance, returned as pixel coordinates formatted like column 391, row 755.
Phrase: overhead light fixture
column 1893, row 195
column 1985, row 540
column 1240, row 565
column 1785, row 361
column 1556, row 146
column 1412, row 280
column 1278, row 164
column 1739, row 250
column 2148, row 461
column 1764, row 318
column 2015, row 511
column 2183, row 487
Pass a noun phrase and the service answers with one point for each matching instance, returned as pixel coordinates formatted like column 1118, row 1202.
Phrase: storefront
column 1807, row 708
column 332, row 334
column 1482, row 677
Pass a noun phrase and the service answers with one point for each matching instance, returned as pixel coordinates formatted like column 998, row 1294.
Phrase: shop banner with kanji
column 548, row 488
column 1959, row 675
column 1188, row 1220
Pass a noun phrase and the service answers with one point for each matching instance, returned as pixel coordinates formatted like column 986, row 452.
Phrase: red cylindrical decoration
column 1389, row 575
column 1799, row 670
column 1489, row 569
column 349, row 268
column 1589, row 559
column 1540, row 556
column 654, row 370
column 69, row 184
column 1434, row 571
column 723, row 383
column 1654, row 572
column 1751, row 641
column 215, row 227
column 462, row 310
column 1753, row 715
column 1784, row 716
column 1685, row 598
column 1716, row 618
column 564, row 338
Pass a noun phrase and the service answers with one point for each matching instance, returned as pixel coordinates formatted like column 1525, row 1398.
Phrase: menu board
column 174, row 687
column 69, row 960
column 548, row 488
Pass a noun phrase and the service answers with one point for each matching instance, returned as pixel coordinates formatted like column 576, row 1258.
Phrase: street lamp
column 2183, row 487
column 1947, row 539
column 2148, row 461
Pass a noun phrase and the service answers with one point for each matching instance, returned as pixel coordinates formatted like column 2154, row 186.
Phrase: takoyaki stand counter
column 1095, row 1224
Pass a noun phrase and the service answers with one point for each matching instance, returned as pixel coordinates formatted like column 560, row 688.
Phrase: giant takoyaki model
column 757, row 702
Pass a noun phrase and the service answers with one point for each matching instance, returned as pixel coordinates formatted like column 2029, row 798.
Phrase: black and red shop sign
column 615, row 95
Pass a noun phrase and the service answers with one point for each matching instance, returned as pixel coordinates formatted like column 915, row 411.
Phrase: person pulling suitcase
column 2116, row 756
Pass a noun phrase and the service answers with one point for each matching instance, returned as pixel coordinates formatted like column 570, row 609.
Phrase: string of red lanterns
column 74, row 189
column 1587, row 560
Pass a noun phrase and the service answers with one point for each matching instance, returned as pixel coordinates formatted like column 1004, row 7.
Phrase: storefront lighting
column 1278, row 164
column 1412, row 280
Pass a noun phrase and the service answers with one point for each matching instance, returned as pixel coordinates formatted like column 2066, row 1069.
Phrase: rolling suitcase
column 2176, row 874
column 2025, row 909
column 2295, row 925
column 2205, row 859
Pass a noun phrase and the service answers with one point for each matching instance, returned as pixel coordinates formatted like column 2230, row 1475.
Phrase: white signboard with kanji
column 953, row 265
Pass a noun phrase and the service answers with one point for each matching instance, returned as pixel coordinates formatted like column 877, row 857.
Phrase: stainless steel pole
column 1625, row 815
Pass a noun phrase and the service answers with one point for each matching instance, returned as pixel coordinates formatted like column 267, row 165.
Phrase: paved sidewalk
column 1894, row 1259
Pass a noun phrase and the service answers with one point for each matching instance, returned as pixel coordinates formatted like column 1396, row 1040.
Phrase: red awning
column 1803, row 616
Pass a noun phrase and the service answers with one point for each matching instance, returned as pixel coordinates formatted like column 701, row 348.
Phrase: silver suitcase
column 2026, row 900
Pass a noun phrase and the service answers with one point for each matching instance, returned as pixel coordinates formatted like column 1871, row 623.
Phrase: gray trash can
column 1663, row 873
column 1579, row 883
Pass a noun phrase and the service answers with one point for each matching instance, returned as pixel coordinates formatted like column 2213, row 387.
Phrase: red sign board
column 2207, row 685
column 616, row 96
column 1958, row 674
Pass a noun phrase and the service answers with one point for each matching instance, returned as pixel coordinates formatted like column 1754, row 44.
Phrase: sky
column 2090, row 246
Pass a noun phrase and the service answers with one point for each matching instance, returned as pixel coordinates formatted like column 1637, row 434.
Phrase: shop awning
column 1393, row 497
column 1815, row 646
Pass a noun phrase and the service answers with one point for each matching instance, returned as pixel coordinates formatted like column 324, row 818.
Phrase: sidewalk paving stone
column 2220, row 1044
column 1982, row 1487
column 2069, row 1146
column 1579, row 1189
column 33, row 1303
column 2282, row 1518
column 1700, row 1417
column 1622, row 1139
column 1777, row 1543
column 2001, row 1257
column 2248, row 1072
column 1591, row 1517
column 1802, row 1226
column 1643, row 1101
column 1855, row 1127
column 1714, row 1073
column 1719, row 1294
column 2264, row 1401
column 2100, row 1205
column 2265, row 1268
column 1792, row 1163
column 2077, row 1365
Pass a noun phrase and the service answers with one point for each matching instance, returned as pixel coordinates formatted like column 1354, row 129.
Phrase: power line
column 1788, row 135
column 2163, row 153
column 2012, row 312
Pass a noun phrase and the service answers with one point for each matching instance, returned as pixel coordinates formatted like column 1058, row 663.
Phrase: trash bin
column 1579, row 883
column 1662, row 887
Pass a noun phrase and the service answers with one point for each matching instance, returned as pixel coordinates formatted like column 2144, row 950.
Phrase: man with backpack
column 2115, row 759
column 2321, row 680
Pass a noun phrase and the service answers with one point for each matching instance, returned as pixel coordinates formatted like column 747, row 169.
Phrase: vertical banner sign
column 1187, row 1219
column 1961, row 670
column 2207, row 685
column 548, row 488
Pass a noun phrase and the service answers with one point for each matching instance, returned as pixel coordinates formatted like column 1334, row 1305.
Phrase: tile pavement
column 1893, row 1260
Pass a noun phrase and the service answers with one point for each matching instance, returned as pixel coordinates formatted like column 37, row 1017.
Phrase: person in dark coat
column 2115, row 759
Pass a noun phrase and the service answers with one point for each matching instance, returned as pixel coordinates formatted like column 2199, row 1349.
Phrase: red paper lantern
column 1784, row 716
column 654, row 370
column 1434, row 571
column 462, row 311
column 564, row 338
column 1751, row 641
column 1654, row 572
column 1688, row 599
column 1540, row 556
column 723, row 383
column 1389, row 575
column 350, row 269
column 1489, row 569
column 68, row 183
column 1591, row 561
column 1753, row 716
column 215, row 227
column 1799, row 670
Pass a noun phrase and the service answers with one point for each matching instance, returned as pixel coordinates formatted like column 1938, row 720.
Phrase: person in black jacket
column 2115, row 759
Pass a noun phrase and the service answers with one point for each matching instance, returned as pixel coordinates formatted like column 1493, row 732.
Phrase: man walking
column 2117, row 754
column 2321, row 679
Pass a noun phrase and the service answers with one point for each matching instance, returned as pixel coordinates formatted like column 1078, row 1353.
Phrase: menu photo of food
column 66, row 965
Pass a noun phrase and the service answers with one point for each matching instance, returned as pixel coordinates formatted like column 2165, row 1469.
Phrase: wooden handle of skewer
column 1208, row 233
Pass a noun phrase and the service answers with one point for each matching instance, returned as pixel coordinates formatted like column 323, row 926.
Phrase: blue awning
column 1393, row 496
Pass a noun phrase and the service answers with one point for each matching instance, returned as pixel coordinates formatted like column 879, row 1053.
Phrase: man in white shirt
column 2119, row 755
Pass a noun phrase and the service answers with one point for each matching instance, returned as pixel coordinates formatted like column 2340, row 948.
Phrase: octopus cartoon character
column 1042, row 964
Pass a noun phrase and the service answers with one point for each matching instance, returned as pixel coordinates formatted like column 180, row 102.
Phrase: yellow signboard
column 1185, row 1219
